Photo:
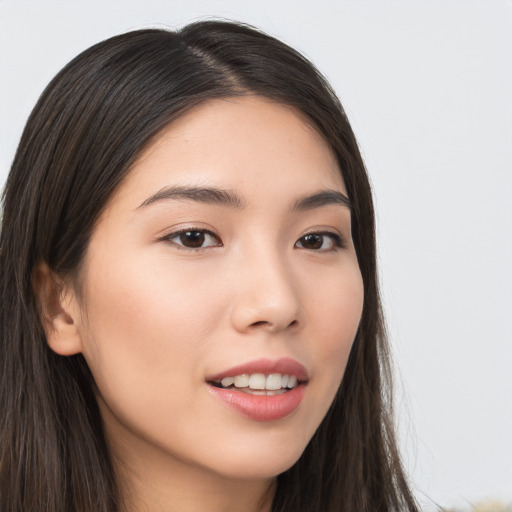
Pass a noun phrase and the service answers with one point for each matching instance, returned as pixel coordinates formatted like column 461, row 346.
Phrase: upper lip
column 284, row 366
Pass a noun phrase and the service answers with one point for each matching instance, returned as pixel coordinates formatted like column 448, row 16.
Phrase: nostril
column 259, row 322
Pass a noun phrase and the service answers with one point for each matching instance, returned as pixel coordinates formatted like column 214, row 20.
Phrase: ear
column 59, row 311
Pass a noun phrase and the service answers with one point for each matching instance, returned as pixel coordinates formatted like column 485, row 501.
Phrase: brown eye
column 312, row 241
column 320, row 242
column 194, row 239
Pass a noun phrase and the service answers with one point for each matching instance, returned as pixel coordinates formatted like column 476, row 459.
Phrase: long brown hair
column 85, row 132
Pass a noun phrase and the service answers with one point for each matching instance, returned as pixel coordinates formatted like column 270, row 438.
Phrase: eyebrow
column 323, row 198
column 227, row 198
column 200, row 194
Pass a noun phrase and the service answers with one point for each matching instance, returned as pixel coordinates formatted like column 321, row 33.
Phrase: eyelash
column 339, row 242
column 175, row 234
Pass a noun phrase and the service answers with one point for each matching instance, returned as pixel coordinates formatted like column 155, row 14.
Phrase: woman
column 190, row 314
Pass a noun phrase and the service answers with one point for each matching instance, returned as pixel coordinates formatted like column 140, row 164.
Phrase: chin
column 264, row 465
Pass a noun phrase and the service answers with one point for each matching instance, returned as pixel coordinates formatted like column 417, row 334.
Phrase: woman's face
column 223, row 262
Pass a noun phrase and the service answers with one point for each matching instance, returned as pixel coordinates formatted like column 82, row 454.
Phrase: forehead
column 246, row 144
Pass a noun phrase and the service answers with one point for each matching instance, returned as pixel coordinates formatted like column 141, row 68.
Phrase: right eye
column 191, row 238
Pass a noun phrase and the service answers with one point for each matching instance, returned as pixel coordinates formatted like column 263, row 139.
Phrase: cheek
column 338, row 312
column 147, row 326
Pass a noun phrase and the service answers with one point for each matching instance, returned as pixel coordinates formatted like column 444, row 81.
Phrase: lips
column 284, row 366
column 262, row 390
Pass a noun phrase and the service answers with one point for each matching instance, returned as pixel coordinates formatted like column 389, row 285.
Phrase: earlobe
column 58, row 310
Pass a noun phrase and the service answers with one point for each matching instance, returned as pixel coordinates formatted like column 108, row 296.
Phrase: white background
column 428, row 88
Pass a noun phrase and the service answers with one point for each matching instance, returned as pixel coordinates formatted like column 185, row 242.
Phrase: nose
column 268, row 297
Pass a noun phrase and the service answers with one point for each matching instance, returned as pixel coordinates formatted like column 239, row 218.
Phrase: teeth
column 227, row 381
column 242, row 381
column 273, row 381
column 261, row 382
column 257, row 381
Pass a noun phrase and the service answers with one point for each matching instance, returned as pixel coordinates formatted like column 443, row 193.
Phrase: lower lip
column 261, row 407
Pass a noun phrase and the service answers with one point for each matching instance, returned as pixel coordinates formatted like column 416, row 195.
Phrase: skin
column 154, row 318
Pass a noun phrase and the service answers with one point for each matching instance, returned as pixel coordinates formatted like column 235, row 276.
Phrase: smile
column 262, row 390
column 259, row 383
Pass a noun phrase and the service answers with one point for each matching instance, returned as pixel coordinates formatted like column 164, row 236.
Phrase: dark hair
column 86, row 131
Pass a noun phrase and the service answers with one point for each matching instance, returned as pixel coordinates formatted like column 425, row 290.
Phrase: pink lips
column 284, row 366
column 263, row 407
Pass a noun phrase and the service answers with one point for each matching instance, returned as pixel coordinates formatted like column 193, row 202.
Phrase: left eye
column 194, row 238
column 319, row 241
